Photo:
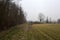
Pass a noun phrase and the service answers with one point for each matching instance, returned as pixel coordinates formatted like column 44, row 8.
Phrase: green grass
column 14, row 33
column 37, row 32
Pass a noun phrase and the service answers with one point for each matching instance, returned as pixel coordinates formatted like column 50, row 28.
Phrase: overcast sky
column 50, row 8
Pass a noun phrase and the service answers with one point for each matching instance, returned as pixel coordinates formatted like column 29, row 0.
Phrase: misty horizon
column 50, row 8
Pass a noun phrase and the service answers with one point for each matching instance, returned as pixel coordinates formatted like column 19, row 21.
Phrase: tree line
column 47, row 20
column 43, row 20
column 10, row 14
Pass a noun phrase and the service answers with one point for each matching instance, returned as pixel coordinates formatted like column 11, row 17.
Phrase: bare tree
column 58, row 20
column 47, row 20
column 41, row 17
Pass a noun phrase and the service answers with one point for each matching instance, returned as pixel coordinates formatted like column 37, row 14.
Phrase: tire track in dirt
column 27, row 28
column 29, row 31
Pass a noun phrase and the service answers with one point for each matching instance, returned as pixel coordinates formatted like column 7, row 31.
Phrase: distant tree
column 58, row 20
column 41, row 17
column 50, row 20
column 47, row 20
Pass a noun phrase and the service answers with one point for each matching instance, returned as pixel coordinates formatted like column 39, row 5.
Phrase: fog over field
column 50, row 8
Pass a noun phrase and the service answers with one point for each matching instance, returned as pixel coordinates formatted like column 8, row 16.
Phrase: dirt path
column 26, row 28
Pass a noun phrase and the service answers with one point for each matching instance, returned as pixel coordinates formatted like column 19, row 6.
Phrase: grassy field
column 34, row 32
column 44, row 32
